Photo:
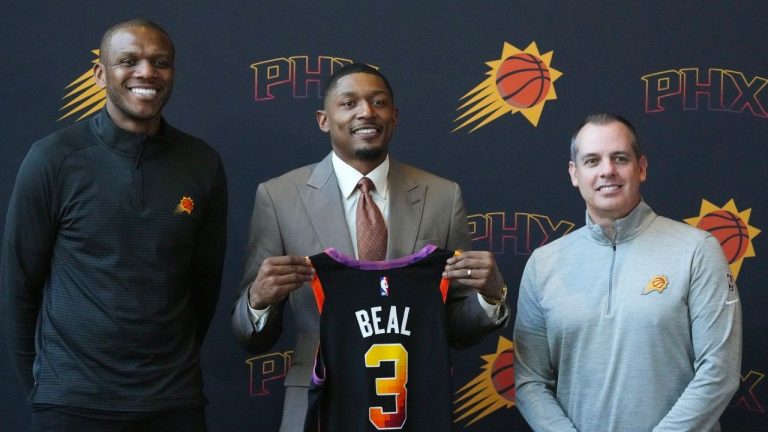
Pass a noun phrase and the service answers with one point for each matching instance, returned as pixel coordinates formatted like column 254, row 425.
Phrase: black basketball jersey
column 383, row 361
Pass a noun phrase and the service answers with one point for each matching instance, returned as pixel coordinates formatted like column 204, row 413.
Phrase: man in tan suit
column 312, row 208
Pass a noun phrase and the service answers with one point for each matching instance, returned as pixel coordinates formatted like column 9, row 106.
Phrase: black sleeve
column 208, row 259
column 28, row 241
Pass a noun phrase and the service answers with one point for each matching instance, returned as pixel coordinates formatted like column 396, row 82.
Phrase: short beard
column 367, row 154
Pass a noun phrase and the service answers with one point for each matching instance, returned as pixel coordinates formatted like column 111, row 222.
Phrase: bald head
column 136, row 22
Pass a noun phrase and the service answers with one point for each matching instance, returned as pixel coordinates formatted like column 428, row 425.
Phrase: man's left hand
column 478, row 270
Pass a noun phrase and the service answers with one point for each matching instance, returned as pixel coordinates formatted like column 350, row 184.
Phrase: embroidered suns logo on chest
column 185, row 205
column 657, row 283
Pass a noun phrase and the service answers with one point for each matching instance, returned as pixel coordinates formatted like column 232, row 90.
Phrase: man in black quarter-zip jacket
column 112, row 255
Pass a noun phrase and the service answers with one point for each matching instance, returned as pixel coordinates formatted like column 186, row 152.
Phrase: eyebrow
column 356, row 94
column 134, row 50
column 612, row 154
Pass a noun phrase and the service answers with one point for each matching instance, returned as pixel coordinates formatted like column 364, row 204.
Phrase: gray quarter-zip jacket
column 637, row 333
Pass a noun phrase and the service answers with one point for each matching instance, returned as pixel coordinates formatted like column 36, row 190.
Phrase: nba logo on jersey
column 384, row 286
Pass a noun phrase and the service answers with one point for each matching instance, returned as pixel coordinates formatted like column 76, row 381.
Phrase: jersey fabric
column 378, row 366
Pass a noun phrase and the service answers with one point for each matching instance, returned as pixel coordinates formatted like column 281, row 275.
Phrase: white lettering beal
column 372, row 322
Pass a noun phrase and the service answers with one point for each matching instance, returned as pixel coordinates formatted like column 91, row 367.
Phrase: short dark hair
column 354, row 68
column 135, row 22
column 601, row 119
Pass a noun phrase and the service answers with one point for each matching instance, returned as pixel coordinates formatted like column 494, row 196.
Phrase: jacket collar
column 626, row 228
column 133, row 145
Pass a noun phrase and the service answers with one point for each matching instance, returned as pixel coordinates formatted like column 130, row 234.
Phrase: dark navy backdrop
column 513, row 173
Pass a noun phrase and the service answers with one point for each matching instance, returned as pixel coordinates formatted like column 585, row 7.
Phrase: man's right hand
column 277, row 277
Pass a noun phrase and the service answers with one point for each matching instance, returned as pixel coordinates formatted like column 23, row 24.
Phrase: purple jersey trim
column 380, row 265
column 318, row 373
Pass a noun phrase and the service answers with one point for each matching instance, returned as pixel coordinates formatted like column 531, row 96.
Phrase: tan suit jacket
column 301, row 213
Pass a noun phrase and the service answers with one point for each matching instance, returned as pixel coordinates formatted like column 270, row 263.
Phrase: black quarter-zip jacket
column 111, row 264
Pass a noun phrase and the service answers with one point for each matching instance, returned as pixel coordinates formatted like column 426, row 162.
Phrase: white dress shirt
column 348, row 177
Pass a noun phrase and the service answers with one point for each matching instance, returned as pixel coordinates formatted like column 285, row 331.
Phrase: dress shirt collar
column 347, row 177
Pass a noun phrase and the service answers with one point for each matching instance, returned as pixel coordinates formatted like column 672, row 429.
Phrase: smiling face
column 137, row 71
column 607, row 171
column 360, row 116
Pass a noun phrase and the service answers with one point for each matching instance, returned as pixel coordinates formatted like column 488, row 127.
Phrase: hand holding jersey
column 280, row 275
column 277, row 277
column 478, row 270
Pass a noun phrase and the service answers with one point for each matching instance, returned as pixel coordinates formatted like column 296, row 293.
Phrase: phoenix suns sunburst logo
column 85, row 96
column 185, row 205
column 657, row 283
column 731, row 228
column 492, row 389
column 520, row 81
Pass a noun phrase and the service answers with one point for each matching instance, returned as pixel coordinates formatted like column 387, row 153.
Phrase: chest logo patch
column 384, row 286
column 657, row 283
column 186, row 205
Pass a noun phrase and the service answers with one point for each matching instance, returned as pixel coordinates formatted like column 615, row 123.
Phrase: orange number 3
column 389, row 386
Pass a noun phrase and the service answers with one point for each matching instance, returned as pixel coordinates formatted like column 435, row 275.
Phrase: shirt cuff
column 493, row 311
column 258, row 317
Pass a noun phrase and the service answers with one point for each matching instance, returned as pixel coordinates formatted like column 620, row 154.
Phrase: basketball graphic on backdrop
column 520, row 81
column 729, row 230
column 503, row 374
column 523, row 80
column 730, row 226
column 491, row 389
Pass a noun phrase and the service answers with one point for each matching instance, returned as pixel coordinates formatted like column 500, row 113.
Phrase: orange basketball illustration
column 503, row 374
column 523, row 80
column 729, row 230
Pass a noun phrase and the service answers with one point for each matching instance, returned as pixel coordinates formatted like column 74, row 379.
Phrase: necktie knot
column 366, row 185
column 371, row 228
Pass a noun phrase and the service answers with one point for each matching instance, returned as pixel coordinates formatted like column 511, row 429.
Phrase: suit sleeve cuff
column 258, row 317
column 493, row 311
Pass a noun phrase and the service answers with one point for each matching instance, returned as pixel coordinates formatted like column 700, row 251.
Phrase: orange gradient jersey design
column 389, row 386
column 380, row 323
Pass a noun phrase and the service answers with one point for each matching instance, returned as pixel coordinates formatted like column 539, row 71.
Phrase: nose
column 145, row 69
column 607, row 169
column 365, row 109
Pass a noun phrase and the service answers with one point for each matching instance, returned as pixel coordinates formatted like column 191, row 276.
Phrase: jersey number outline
column 389, row 386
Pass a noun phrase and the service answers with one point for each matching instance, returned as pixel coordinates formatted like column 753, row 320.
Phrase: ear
column 394, row 117
column 322, row 120
column 98, row 75
column 643, row 168
column 572, row 172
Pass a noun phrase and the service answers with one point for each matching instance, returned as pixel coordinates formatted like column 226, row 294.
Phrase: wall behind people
column 691, row 76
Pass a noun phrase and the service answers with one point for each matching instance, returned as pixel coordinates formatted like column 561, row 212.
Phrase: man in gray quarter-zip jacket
column 631, row 323
column 112, row 255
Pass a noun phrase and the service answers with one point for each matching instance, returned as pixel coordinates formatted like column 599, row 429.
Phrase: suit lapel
column 322, row 201
column 406, row 205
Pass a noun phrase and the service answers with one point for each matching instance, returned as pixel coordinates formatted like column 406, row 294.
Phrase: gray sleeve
column 534, row 374
column 715, row 314
column 468, row 322
column 264, row 241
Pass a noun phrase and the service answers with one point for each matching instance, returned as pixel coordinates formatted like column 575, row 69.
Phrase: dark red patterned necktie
column 371, row 229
